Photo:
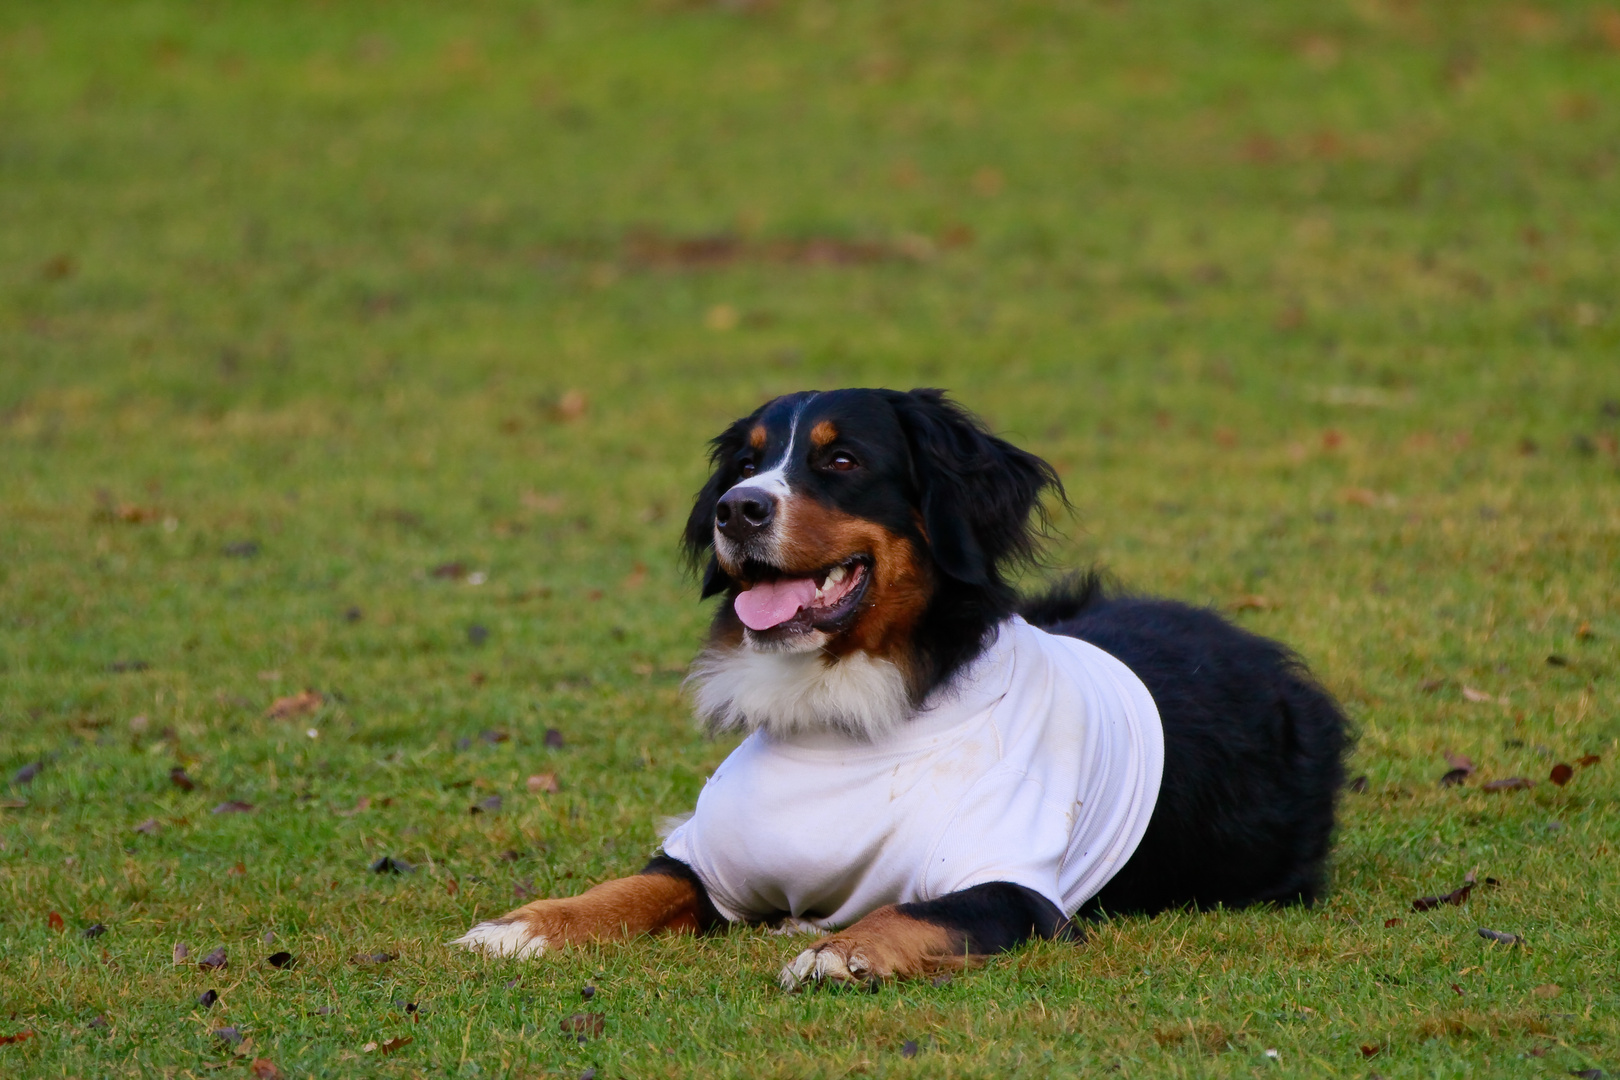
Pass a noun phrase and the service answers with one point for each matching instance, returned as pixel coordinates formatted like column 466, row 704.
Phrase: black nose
column 744, row 511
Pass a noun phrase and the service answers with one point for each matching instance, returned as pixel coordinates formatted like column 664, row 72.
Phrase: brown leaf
column 54, row 921
column 584, row 1024
column 388, row 1046
column 571, row 405
column 234, row 806
column 553, row 739
column 281, row 960
column 1587, row 759
column 360, row 807
column 264, row 1069
column 494, row 738
column 207, row 998
column 543, row 784
column 149, row 826
column 1391, row 922
column 215, row 961
column 1458, row 761
column 1561, row 774
column 178, row 777
column 296, row 705
column 181, row 951
column 1512, row 783
column 1500, row 937
column 1370, row 1049
column 1454, row 777
column 1456, row 897
column 21, row 1036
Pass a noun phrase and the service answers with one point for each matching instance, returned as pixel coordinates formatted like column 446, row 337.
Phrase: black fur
column 1253, row 754
column 993, row 917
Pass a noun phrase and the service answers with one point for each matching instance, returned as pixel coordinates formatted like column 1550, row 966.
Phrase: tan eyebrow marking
column 823, row 433
column 756, row 438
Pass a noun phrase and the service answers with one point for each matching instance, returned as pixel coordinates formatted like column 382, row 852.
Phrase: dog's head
column 865, row 530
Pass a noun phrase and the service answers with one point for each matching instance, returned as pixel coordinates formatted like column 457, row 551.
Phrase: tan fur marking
column 756, row 437
column 887, row 944
column 817, row 536
column 614, row 910
column 823, row 433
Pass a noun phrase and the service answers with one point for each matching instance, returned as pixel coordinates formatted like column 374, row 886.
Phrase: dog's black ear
column 698, row 537
column 976, row 492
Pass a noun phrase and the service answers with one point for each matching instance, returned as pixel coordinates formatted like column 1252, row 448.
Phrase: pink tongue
column 773, row 603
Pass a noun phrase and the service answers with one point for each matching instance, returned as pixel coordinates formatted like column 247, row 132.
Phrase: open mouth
column 826, row 600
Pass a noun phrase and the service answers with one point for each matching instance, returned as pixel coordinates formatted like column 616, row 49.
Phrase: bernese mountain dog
column 935, row 768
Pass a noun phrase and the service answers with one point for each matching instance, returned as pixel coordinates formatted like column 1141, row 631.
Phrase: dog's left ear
column 976, row 492
column 698, row 538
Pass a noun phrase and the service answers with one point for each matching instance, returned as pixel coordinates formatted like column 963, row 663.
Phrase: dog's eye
column 842, row 462
column 748, row 469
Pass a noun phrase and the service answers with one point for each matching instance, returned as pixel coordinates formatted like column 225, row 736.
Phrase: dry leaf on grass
column 181, row 951
column 1456, row 897
column 234, row 806
column 215, row 961
column 390, row 865
column 1561, row 774
column 296, row 705
column 1454, row 777
column 583, row 1024
column 21, row 1036
column 281, row 960
column 178, row 777
column 1477, row 695
column 1512, row 783
column 149, row 826
column 1587, row 759
column 54, row 921
column 543, row 784
column 264, row 1069
column 1500, row 937
column 207, row 998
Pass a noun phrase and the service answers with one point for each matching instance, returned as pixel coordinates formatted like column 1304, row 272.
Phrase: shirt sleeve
column 1004, row 829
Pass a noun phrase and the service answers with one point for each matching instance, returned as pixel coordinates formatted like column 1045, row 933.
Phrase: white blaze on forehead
column 774, row 480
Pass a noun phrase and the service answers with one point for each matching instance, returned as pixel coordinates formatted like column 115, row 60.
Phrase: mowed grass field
column 371, row 349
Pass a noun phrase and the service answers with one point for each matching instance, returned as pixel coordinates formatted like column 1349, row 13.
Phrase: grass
column 1312, row 305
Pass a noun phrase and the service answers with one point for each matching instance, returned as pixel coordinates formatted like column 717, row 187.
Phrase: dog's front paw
column 504, row 937
column 885, row 944
column 834, row 961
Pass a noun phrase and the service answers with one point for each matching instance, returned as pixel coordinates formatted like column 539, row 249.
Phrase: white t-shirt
column 1039, row 766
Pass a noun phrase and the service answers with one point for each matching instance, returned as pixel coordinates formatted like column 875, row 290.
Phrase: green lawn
column 1314, row 306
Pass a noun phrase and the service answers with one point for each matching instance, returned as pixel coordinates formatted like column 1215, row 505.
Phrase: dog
column 937, row 769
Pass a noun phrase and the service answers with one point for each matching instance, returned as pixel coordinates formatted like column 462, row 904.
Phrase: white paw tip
column 503, row 939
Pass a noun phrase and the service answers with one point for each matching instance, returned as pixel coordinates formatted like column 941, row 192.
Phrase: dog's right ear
column 698, row 538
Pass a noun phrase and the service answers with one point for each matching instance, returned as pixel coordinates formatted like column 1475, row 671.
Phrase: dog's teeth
column 835, row 575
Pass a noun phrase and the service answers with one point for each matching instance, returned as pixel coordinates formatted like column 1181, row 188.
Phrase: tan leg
column 885, row 944
column 611, row 911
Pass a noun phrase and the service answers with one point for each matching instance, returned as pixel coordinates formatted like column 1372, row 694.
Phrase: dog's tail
column 1065, row 599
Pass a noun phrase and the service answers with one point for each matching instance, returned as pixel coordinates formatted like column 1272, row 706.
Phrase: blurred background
column 372, row 348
